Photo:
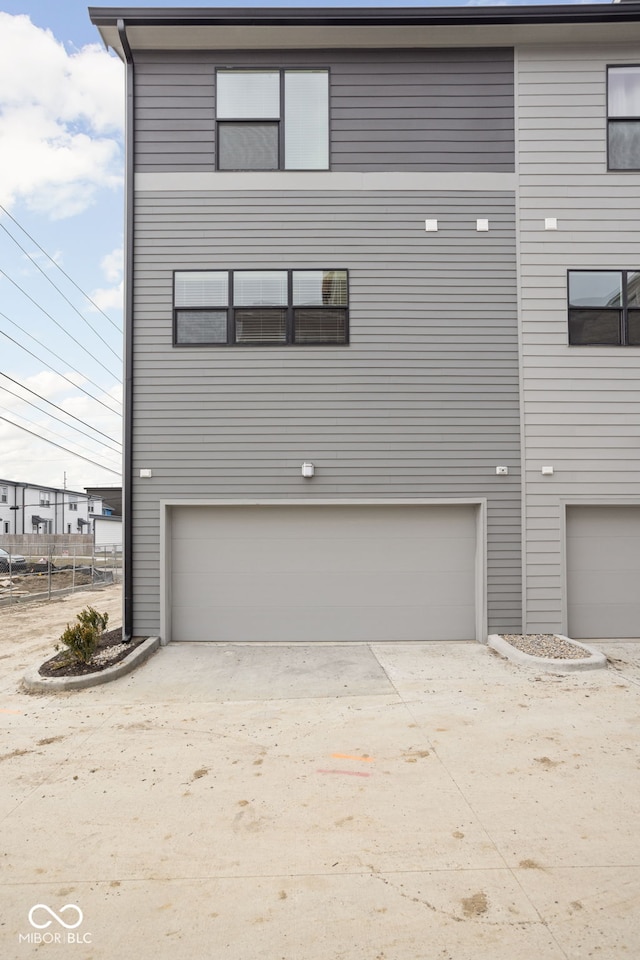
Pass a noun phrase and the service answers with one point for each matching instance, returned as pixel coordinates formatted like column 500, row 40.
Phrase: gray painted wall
column 423, row 403
column 390, row 110
column 581, row 404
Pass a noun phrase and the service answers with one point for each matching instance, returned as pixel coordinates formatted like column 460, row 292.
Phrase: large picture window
column 623, row 113
column 260, row 307
column 272, row 119
column 604, row 308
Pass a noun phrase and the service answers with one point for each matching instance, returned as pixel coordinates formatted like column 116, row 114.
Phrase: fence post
column 49, row 573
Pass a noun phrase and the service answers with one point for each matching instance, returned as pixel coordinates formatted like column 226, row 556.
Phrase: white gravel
column 546, row 645
column 103, row 656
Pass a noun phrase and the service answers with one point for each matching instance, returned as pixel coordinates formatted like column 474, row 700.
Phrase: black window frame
column 623, row 309
column 612, row 121
column 282, row 70
column 290, row 307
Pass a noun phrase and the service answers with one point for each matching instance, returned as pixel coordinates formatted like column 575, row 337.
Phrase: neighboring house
column 30, row 508
column 111, row 499
column 107, row 533
column 383, row 324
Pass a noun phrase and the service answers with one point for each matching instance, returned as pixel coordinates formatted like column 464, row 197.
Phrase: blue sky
column 61, row 180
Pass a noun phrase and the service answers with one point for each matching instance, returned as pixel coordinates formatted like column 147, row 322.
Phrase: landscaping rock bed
column 549, row 652
column 110, row 651
column 546, row 645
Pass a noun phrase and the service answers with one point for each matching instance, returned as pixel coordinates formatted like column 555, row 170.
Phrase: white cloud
column 112, row 267
column 109, row 298
column 50, row 385
column 61, row 117
column 113, row 264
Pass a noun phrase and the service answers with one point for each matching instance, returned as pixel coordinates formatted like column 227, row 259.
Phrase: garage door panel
column 593, row 621
column 324, row 522
column 606, row 521
column 614, row 585
column 323, row 572
column 321, row 623
column 222, row 555
column 606, row 554
column 298, row 589
column 603, row 571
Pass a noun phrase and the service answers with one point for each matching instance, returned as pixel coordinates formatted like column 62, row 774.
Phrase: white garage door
column 603, row 571
column 323, row 573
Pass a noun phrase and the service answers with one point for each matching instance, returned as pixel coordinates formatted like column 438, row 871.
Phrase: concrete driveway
column 383, row 802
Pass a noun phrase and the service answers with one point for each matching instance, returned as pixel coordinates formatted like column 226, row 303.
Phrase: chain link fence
column 45, row 573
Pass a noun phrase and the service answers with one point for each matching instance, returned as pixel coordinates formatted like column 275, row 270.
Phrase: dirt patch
column 28, row 629
column 546, row 762
column 26, row 584
column 14, row 753
column 111, row 649
column 476, row 905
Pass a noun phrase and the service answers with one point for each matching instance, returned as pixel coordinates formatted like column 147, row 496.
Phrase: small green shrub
column 82, row 639
column 91, row 618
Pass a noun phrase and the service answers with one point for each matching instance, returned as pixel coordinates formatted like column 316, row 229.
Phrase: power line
column 52, row 352
column 60, row 447
column 53, row 416
column 55, row 434
column 74, row 385
column 55, row 286
column 61, row 327
column 57, row 265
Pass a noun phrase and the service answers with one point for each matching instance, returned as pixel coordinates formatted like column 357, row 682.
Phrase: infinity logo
column 56, row 916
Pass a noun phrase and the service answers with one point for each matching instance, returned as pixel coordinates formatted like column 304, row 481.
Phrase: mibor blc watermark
column 42, row 917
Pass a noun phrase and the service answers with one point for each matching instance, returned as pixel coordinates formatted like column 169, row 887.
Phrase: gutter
column 366, row 16
column 127, row 466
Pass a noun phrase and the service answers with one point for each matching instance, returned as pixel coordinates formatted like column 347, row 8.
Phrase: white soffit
column 238, row 37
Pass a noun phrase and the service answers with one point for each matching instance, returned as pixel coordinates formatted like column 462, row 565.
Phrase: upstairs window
column 45, row 498
column 623, row 124
column 4, row 494
column 272, row 119
column 73, row 503
column 604, row 308
column 261, row 307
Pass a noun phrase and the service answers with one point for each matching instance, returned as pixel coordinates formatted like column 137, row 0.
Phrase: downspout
column 127, row 466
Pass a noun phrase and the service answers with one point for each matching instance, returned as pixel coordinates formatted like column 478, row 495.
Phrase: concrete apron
column 405, row 802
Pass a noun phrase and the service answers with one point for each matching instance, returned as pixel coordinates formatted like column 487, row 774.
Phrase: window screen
column 248, row 146
column 201, row 326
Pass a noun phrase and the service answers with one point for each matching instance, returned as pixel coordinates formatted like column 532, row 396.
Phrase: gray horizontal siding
column 581, row 405
column 423, row 403
column 422, row 110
